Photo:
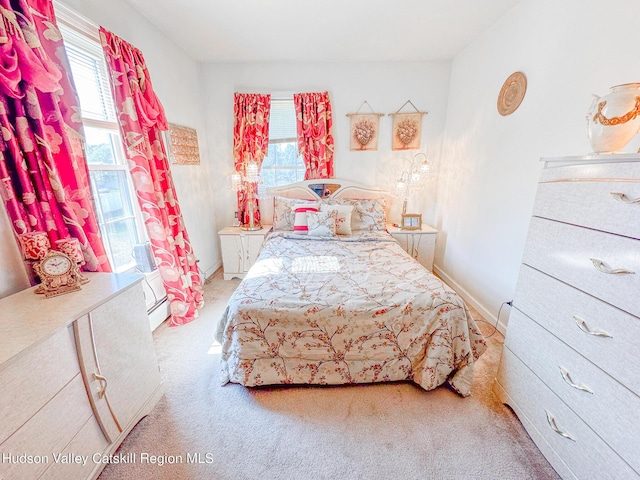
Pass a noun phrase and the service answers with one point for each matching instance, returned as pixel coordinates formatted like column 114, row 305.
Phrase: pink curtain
column 250, row 142
column 44, row 179
column 142, row 119
column 315, row 140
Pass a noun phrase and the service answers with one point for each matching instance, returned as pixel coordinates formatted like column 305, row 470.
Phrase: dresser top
column 592, row 158
column 27, row 318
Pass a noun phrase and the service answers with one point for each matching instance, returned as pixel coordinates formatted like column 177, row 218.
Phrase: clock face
column 56, row 265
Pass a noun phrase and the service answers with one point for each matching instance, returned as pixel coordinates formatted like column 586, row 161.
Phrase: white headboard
column 301, row 190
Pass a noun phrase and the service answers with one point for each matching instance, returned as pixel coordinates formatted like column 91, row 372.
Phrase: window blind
column 282, row 121
column 90, row 76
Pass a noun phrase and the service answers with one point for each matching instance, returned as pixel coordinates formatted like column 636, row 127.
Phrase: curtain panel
column 142, row 118
column 250, row 143
column 44, row 178
column 314, row 122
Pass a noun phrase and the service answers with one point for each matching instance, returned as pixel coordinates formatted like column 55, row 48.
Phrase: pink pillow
column 300, row 224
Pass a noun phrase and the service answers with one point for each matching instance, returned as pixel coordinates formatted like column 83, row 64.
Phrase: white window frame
column 73, row 21
column 299, row 168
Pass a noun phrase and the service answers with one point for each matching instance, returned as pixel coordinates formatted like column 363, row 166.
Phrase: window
column 117, row 209
column 283, row 164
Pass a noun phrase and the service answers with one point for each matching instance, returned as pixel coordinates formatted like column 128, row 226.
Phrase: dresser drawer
column 46, row 433
column 570, row 314
column 598, row 205
column 89, row 444
column 570, row 254
column 587, row 455
column 30, row 379
column 605, row 405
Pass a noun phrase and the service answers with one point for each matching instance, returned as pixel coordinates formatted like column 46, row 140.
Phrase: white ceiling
column 322, row 30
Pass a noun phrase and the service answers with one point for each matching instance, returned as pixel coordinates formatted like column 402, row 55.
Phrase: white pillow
column 369, row 214
column 343, row 218
column 300, row 216
column 322, row 224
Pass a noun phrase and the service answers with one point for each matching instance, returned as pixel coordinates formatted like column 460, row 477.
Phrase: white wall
column 176, row 80
column 386, row 86
column 568, row 50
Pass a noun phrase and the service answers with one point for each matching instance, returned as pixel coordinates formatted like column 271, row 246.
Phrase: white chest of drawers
column 570, row 362
column 77, row 372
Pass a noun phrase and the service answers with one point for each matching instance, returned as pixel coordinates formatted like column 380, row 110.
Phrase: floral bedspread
column 343, row 310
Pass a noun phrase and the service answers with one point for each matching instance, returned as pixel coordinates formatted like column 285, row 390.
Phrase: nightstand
column 420, row 244
column 240, row 248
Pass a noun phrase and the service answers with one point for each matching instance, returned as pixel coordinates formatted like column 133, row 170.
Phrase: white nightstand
column 420, row 244
column 240, row 248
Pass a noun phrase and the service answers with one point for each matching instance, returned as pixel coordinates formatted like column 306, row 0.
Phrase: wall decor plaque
column 182, row 143
column 512, row 93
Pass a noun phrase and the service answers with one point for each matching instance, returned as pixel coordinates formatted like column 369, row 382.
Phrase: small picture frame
column 411, row 221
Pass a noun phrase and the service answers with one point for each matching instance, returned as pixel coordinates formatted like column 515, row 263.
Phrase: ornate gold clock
column 58, row 274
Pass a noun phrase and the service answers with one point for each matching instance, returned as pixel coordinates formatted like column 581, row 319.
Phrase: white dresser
column 570, row 367
column 77, row 372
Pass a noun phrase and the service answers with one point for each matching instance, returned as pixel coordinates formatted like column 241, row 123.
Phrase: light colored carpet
column 380, row 431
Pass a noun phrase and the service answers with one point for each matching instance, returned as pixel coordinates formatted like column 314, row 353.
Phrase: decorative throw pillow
column 369, row 214
column 343, row 217
column 300, row 216
column 322, row 224
column 283, row 212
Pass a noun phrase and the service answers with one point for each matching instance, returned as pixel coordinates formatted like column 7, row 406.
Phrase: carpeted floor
column 370, row 432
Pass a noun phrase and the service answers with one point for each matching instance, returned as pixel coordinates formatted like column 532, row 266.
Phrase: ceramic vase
column 614, row 119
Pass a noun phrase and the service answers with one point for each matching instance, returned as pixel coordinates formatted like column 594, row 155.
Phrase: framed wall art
column 406, row 129
column 182, row 145
column 364, row 129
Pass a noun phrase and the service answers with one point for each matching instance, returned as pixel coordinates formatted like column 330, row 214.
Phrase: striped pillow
column 300, row 224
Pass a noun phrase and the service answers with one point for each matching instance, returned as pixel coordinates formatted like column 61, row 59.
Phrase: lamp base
column 251, row 229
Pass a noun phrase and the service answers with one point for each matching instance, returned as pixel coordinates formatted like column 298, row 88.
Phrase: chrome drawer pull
column 621, row 197
column 583, row 326
column 567, row 378
column 602, row 267
column 554, row 427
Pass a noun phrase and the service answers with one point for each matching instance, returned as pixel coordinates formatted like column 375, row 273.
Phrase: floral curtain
column 142, row 118
column 315, row 140
column 44, row 179
column 250, row 143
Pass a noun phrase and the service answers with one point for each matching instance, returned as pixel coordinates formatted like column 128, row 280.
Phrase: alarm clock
column 58, row 274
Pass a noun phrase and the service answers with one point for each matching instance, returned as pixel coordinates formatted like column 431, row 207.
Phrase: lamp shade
column 236, row 181
column 34, row 245
column 252, row 172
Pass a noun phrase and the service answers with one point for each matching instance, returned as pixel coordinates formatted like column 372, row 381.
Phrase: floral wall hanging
column 406, row 129
column 364, row 129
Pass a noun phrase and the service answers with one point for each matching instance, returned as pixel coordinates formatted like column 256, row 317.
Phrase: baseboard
column 471, row 300
column 210, row 271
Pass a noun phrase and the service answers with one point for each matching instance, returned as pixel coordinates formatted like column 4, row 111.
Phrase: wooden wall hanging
column 182, row 143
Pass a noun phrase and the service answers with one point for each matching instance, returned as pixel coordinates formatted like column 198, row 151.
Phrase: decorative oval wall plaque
column 512, row 93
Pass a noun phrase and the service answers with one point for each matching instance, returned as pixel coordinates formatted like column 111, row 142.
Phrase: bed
column 344, row 308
